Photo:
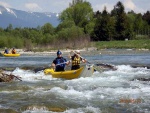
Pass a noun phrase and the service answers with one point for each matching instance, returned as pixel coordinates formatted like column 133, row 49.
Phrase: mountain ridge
column 20, row 18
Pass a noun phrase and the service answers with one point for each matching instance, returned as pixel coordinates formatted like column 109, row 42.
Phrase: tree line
column 78, row 27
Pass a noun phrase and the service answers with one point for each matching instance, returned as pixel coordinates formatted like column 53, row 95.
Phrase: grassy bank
column 134, row 44
column 130, row 44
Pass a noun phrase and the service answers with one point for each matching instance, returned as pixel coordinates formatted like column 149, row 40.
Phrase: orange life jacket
column 13, row 51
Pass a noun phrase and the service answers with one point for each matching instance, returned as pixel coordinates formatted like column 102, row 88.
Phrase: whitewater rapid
column 125, row 90
column 116, row 91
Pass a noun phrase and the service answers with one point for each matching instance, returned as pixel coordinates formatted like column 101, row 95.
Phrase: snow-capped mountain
column 20, row 18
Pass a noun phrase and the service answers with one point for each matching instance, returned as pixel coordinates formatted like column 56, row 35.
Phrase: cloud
column 33, row 7
column 140, row 10
column 4, row 4
column 58, row 5
column 129, row 4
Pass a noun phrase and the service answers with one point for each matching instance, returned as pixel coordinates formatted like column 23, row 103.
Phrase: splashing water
column 107, row 91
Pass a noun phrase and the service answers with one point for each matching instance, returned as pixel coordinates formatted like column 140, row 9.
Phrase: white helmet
column 77, row 51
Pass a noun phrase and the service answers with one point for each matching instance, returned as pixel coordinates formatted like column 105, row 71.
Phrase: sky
column 57, row 6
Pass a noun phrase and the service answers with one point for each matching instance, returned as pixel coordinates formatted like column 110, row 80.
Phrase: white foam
column 88, row 109
column 28, row 75
column 123, row 73
column 109, row 87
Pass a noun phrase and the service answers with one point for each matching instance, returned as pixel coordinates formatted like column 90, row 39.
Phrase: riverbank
column 128, row 44
column 126, row 88
column 86, row 51
column 101, row 47
column 91, row 50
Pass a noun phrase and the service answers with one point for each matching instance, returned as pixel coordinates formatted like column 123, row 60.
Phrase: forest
column 79, row 26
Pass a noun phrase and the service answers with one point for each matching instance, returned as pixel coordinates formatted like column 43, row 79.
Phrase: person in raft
column 6, row 51
column 76, row 58
column 59, row 62
column 13, row 51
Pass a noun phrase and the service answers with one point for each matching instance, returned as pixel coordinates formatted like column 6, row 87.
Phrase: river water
column 111, row 91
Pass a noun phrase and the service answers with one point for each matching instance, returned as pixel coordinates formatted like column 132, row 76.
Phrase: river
column 111, row 91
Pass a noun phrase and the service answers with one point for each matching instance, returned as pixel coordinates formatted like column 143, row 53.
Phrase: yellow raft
column 84, row 71
column 11, row 55
column 69, row 74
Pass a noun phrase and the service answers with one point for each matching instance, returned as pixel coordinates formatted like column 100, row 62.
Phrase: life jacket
column 60, row 62
column 75, row 60
column 13, row 51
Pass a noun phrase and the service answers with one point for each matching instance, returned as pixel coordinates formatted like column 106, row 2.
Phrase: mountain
column 20, row 18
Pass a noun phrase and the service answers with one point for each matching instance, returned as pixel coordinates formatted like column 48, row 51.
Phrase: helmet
column 77, row 51
column 59, row 52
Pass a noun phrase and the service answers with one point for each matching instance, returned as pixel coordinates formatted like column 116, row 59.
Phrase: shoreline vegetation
column 101, row 47
column 82, row 28
column 94, row 48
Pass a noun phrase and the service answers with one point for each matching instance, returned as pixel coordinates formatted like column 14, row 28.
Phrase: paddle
column 84, row 59
column 99, row 64
column 43, row 68
column 63, row 63
column 40, row 69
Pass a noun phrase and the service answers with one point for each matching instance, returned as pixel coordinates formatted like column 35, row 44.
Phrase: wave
column 122, row 72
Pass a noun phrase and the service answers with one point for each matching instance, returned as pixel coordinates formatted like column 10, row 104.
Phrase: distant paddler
column 6, row 51
column 13, row 51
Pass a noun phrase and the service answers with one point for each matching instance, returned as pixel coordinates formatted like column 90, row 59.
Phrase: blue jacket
column 60, row 63
column 6, row 51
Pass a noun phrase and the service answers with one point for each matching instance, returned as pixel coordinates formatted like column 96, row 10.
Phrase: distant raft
column 11, row 55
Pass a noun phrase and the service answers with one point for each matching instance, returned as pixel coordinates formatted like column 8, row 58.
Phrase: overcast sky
column 57, row 6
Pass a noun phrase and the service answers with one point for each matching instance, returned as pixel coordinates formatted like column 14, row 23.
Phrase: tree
column 47, row 29
column 65, row 24
column 104, row 27
column 97, row 14
column 80, row 12
column 26, row 33
column 9, row 28
column 89, row 28
column 138, row 22
column 121, row 22
column 146, row 17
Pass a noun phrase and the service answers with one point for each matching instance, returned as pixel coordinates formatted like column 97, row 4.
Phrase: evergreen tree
column 121, row 22
column 9, row 28
column 104, row 27
column 146, row 17
column 138, row 23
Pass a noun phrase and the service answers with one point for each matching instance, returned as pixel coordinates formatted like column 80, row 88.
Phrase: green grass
column 130, row 44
